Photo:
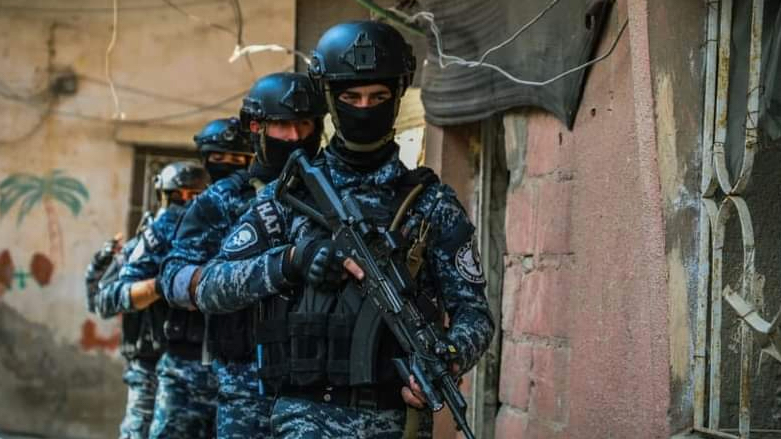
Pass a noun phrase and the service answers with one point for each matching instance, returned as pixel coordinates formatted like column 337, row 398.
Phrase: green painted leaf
column 17, row 179
column 71, row 201
column 72, row 185
column 16, row 186
column 27, row 205
column 9, row 197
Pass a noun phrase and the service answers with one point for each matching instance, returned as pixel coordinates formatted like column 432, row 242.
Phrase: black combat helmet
column 222, row 136
column 282, row 97
column 180, row 181
column 362, row 50
column 361, row 53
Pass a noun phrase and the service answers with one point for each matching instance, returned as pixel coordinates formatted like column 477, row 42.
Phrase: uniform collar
column 344, row 175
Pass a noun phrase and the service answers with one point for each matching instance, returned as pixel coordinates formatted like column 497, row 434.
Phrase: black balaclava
column 365, row 125
column 218, row 171
column 272, row 153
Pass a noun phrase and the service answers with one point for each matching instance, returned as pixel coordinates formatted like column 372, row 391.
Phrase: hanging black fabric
column 770, row 93
column 562, row 39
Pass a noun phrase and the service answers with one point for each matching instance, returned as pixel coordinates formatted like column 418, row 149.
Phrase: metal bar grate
column 722, row 198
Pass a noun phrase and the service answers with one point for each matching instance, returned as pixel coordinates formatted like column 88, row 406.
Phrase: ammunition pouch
column 336, row 347
column 142, row 332
column 232, row 336
column 184, row 331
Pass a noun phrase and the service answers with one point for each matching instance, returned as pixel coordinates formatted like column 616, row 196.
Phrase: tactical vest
column 142, row 332
column 183, row 330
column 326, row 339
column 142, row 335
column 231, row 337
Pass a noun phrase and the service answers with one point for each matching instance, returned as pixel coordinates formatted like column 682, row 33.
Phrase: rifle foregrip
column 402, row 368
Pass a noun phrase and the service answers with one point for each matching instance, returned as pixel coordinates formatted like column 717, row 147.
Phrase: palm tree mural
column 29, row 191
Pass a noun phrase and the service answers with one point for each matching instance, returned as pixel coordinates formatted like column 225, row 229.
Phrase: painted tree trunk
column 55, row 232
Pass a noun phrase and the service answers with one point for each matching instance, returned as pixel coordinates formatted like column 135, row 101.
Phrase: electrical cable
column 239, row 17
column 179, row 9
column 456, row 60
column 118, row 114
column 65, row 10
column 35, row 127
column 254, row 48
column 8, row 92
column 142, row 92
column 166, row 117
column 518, row 32
column 393, row 15
column 195, row 111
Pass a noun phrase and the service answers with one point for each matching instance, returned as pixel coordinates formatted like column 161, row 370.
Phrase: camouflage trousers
column 141, row 384
column 293, row 418
column 242, row 412
column 185, row 403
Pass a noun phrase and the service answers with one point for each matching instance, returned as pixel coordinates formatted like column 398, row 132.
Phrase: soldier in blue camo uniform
column 310, row 344
column 276, row 127
column 185, row 403
column 127, row 286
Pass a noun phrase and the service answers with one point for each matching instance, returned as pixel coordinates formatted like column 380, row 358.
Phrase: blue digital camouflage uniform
column 245, row 273
column 139, row 375
column 174, row 375
column 141, row 381
column 108, row 300
column 139, row 261
column 185, row 402
column 114, row 298
column 207, row 221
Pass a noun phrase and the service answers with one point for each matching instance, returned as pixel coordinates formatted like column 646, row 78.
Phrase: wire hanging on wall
column 240, row 31
column 118, row 114
column 33, row 129
column 255, row 48
column 447, row 60
column 98, row 10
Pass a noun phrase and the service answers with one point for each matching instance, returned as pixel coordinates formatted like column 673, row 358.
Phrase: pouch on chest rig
column 232, row 336
column 142, row 332
column 184, row 331
column 338, row 339
column 273, row 335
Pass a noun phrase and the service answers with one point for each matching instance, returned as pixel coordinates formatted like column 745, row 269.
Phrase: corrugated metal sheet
column 564, row 38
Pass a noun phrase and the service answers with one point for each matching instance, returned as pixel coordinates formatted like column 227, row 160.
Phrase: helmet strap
column 164, row 200
column 262, row 140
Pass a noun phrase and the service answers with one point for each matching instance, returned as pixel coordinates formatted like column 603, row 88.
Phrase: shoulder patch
column 241, row 239
column 467, row 262
column 138, row 251
column 270, row 216
column 150, row 239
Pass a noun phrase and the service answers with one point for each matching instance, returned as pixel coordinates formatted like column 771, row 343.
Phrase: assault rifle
column 388, row 284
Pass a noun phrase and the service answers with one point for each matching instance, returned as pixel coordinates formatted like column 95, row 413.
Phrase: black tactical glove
column 97, row 267
column 313, row 262
column 103, row 257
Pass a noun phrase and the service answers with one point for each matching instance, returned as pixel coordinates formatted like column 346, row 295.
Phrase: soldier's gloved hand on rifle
column 103, row 257
column 315, row 262
column 412, row 393
column 144, row 293
column 98, row 266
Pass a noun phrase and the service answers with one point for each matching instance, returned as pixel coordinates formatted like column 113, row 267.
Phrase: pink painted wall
column 585, row 350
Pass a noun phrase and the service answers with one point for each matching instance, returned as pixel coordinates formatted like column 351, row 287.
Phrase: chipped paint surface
column 60, row 372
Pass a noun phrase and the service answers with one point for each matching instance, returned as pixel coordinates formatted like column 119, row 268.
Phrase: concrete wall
column 59, row 369
column 601, row 232
column 677, row 59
